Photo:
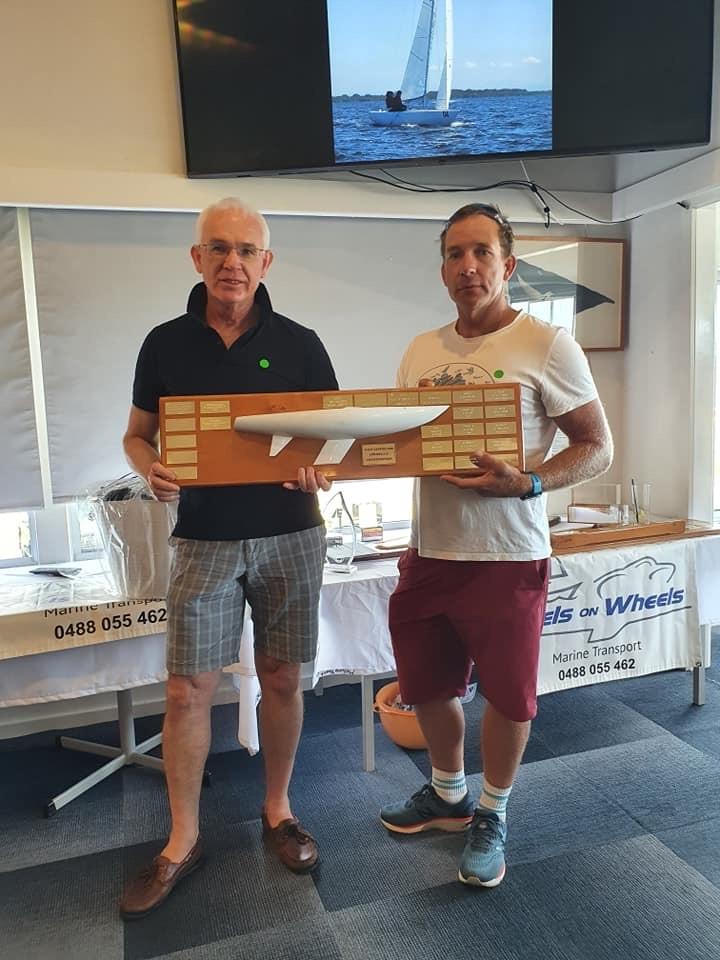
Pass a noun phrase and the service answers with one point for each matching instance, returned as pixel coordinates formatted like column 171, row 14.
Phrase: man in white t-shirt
column 473, row 583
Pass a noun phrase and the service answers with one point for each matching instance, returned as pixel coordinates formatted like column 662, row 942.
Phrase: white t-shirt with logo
column 455, row 524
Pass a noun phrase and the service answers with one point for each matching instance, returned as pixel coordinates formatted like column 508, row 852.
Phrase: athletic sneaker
column 425, row 810
column 483, row 859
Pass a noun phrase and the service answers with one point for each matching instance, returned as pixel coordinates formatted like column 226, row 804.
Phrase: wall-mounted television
column 295, row 85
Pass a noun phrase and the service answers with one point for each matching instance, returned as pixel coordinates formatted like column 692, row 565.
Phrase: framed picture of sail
column 573, row 282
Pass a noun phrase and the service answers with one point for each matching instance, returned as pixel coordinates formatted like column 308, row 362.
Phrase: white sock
column 494, row 799
column 450, row 786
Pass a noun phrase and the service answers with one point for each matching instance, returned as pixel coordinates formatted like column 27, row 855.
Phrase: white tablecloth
column 354, row 639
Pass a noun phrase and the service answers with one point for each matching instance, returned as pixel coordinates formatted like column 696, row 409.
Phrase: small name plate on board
column 346, row 434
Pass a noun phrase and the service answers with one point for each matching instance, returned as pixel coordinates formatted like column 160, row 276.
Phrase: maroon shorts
column 447, row 614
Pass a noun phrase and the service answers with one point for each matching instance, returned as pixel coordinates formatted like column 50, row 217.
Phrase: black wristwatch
column 536, row 488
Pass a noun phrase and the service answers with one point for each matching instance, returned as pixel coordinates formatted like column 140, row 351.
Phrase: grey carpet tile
column 31, row 741
column 339, row 751
column 33, row 777
column 448, row 921
column 573, row 721
column 706, row 739
column 240, row 888
column 634, row 900
column 302, row 940
column 237, row 781
column 361, row 860
column 63, row 911
column 715, row 652
column 224, row 728
column 338, row 707
column 662, row 783
column 88, row 824
column 237, row 787
column 697, row 844
column 145, row 809
column 376, row 894
column 553, row 810
column 236, row 794
column 666, row 698
column 236, row 791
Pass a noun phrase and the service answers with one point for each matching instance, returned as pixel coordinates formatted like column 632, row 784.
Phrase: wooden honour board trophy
column 201, row 443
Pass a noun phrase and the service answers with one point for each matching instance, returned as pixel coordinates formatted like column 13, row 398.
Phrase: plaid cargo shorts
column 210, row 582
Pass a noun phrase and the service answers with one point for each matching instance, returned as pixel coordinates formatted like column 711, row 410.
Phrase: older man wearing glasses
column 260, row 543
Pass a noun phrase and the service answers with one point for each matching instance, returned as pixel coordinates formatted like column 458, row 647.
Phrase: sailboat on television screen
column 414, row 90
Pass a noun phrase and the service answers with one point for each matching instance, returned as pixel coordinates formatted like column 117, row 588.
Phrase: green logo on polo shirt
column 264, row 363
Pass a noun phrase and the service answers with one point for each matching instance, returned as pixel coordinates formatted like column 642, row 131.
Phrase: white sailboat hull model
column 415, row 80
column 338, row 427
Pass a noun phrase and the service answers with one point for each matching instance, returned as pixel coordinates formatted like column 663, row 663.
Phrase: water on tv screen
column 284, row 85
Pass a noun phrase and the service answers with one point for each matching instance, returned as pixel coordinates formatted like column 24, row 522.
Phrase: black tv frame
column 562, row 9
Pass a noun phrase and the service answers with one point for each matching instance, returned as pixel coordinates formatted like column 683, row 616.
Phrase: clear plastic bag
column 342, row 535
column 135, row 529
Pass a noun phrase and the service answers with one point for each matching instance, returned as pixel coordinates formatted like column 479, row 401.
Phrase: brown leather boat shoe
column 155, row 883
column 293, row 846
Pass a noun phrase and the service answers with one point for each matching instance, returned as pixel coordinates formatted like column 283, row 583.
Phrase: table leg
column 128, row 752
column 699, row 670
column 368, row 723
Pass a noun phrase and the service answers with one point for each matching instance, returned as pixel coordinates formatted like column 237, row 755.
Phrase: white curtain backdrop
column 20, row 482
column 103, row 280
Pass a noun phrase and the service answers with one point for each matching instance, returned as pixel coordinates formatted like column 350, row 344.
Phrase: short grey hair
column 237, row 205
column 492, row 212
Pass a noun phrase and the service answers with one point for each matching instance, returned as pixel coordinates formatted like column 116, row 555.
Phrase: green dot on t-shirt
column 499, row 374
column 264, row 363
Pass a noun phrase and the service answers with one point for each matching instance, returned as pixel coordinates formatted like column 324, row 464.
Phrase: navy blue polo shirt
column 184, row 356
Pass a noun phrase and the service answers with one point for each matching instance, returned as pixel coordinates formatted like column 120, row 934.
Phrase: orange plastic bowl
column 400, row 725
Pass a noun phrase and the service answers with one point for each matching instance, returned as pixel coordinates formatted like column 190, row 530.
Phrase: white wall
column 93, row 86
column 657, row 362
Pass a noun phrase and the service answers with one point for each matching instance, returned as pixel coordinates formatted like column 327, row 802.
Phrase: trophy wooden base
column 335, row 432
column 568, row 540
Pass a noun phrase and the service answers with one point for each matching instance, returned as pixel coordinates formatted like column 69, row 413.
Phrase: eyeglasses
column 490, row 209
column 218, row 250
column 482, row 209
